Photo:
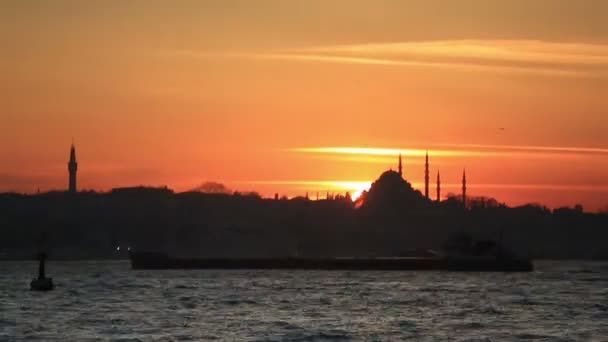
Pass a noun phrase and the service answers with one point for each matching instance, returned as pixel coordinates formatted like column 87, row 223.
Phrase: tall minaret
column 72, row 168
column 400, row 166
column 438, row 188
column 464, row 188
column 426, row 176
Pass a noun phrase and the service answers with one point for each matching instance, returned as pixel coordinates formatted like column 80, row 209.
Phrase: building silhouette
column 72, row 169
column 400, row 166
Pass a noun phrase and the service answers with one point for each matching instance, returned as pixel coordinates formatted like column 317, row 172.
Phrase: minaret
column 426, row 176
column 464, row 188
column 72, row 168
column 400, row 166
column 438, row 188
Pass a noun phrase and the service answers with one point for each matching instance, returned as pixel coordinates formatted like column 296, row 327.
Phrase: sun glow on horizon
column 355, row 188
column 322, row 187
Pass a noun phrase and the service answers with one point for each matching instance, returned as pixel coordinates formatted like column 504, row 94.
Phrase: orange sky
column 266, row 95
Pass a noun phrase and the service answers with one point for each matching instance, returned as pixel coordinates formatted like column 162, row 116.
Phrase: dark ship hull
column 160, row 261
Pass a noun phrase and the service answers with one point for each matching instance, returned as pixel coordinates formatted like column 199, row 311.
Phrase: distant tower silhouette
column 72, row 168
column 426, row 176
column 400, row 166
column 464, row 188
column 438, row 188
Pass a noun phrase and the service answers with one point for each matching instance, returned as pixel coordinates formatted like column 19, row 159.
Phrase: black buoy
column 42, row 283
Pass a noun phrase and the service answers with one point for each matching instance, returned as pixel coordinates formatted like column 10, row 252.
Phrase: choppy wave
column 108, row 301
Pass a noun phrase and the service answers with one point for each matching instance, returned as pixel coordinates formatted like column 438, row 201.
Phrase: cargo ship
column 160, row 261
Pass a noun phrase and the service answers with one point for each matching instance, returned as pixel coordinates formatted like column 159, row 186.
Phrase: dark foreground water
column 565, row 301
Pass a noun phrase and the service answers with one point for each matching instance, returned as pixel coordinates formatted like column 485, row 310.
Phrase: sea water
column 560, row 301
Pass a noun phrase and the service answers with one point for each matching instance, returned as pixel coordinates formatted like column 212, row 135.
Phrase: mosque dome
column 391, row 178
column 391, row 190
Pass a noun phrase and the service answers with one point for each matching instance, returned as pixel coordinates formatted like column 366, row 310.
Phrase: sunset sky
column 316, row 95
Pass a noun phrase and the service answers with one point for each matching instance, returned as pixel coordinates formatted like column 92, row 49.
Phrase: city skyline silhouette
column 353, row 189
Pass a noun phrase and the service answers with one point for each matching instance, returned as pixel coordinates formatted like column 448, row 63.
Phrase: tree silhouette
column 213, row 188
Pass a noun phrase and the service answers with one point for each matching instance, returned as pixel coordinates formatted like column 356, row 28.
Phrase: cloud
column 506, row 56
column 478, row 50
column 520, row 56
column 377, row 151
column 457, row 150
column 533, row 148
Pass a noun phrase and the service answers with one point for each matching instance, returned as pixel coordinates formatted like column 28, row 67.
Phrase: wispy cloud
column 519, row 56
column 511, row 56
column 378, row 154
column 534, row 148
column 477, row 50
column 376, row 151
column 323, row 183
column 544, row 187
